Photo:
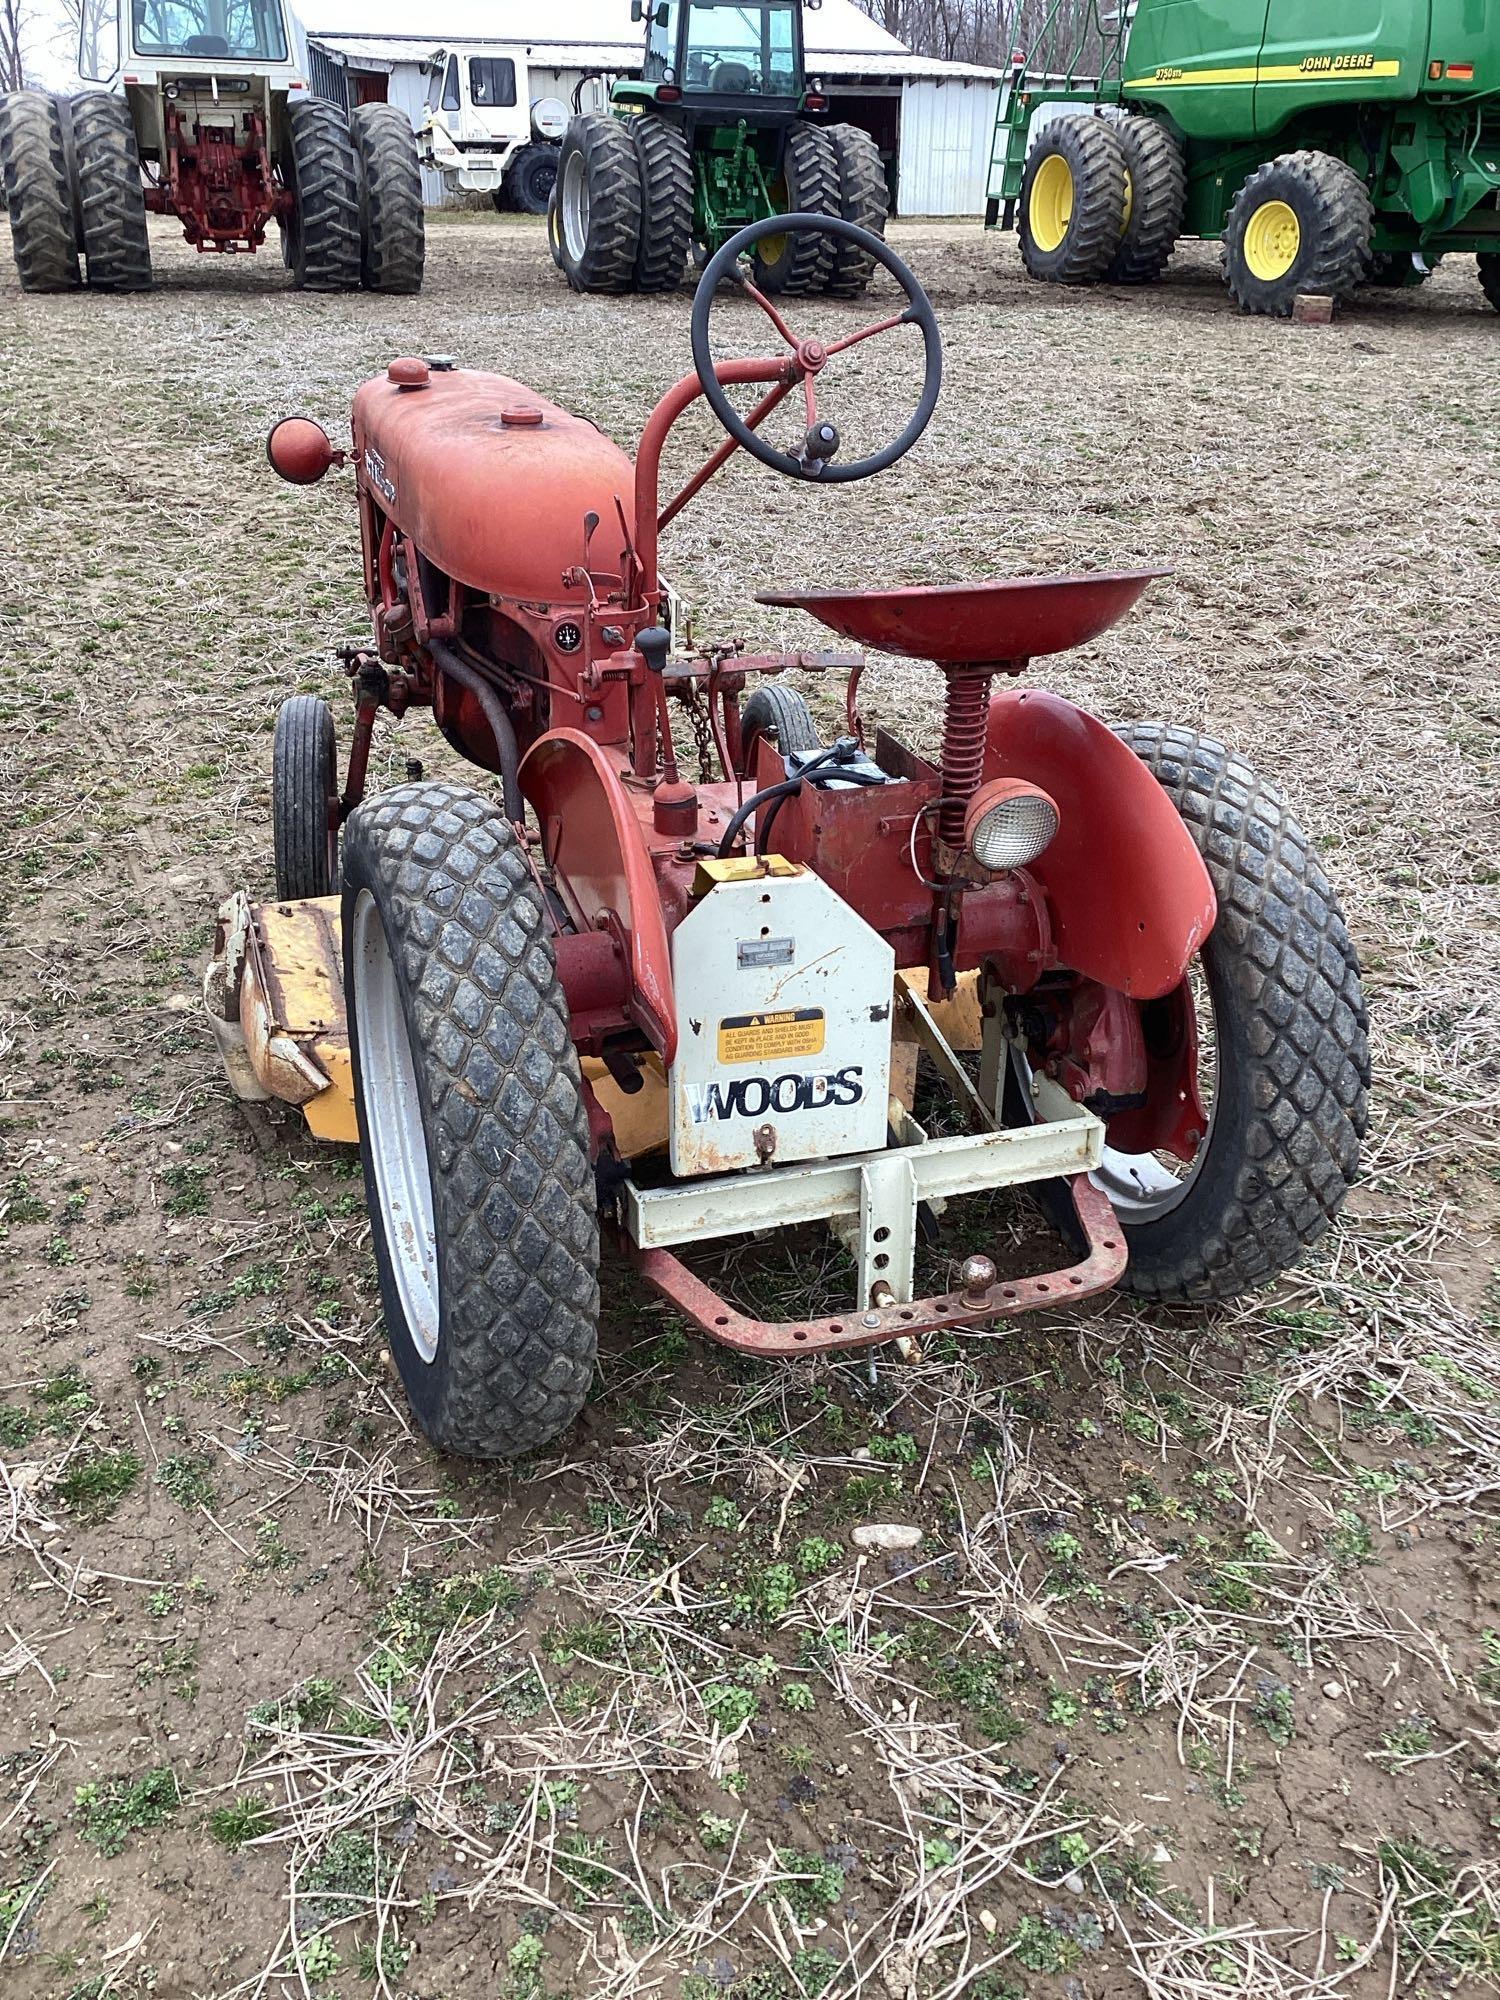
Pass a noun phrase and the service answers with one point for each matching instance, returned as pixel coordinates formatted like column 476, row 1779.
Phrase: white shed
column 932, row 120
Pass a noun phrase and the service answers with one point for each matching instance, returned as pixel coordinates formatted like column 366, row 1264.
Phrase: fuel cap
column 520, row 416
column 407, row 371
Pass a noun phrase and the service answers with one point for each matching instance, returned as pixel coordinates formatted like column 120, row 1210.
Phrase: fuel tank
column 491, row 481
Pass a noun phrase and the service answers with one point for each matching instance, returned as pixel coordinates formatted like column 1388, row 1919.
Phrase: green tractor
column 1327, row 143
column 713, row 135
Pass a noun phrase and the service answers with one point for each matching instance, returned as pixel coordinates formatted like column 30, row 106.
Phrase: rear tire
column 666, row 203
column 475, row 1142
column 599, row 204
column 801, row 261
column 304, row 796
column 1390, row 272
column 530, row 179
column 393, row 239
column 862, row 199
column 1156, row 206
column 1301, row 223
column 1073, row 200
column 1290, row 1106
column 111, row 203
column 34, row 173
column 554, row 231
column 1489, row 276
column 322, row 240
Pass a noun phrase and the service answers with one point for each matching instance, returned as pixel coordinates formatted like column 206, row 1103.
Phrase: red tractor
column 681, row 1005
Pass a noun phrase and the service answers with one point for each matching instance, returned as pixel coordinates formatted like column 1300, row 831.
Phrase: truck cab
column 480, row 129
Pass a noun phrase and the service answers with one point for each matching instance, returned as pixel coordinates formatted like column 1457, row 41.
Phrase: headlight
column 1008, row 823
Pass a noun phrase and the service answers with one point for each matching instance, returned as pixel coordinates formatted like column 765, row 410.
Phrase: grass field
column 1191, row 1688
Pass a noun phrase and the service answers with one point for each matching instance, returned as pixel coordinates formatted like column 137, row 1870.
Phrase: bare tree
column 1055, row 35
column 14, row 21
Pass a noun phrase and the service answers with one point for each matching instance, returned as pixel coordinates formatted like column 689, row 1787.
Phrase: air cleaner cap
column 408, row 371
column 520, row 416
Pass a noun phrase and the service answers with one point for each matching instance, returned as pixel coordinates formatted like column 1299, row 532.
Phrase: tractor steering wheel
column 808, row 357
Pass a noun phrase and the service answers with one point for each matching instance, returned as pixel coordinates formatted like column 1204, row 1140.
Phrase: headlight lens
column 1008, row 823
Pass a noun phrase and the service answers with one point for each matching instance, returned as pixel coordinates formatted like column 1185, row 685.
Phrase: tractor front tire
column 38, row 196
column 1489, row 276
column 393, row 238
column 1293, row 1063
column 111, row 204
column 781, row 716
column 322, row 241
column 599, row 204
column 1073, row 200
column 530, row 179
column 304, row 799
column 1156, row 203
column 666, row 203
column 862, row 199
column 801, row 261
column 481, row 1197
column 1301, row 223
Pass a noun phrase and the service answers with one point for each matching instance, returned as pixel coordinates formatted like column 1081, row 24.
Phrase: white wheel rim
column 575, row 206
column 391, row 1123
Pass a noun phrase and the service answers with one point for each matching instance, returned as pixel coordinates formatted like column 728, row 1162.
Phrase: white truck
column 483, row 131
column 201, row 109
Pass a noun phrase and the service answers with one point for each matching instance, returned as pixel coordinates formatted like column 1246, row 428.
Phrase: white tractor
column 202, row 110
column 484, row 133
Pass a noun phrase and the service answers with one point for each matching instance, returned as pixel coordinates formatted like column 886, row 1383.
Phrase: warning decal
column 771, row 1037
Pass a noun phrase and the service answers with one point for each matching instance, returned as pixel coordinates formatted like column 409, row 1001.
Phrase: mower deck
column 274, row 994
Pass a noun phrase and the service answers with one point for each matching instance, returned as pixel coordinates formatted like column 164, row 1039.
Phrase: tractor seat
column 1000, row 624
column 205, row 45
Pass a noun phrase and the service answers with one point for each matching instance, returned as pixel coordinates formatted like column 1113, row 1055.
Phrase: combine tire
column 1156, row 200
column 1301, row 223
column 801, row 262
column 392, row 234
column 304, row 799
column 861, row 199
column 666, row 203
column 34, row 172
column 599, row 204
column 1390, row 272
column 554, row 230
column 475, row 1141
column 1489, row 276
column 111, row 205
column 1073, row 200
column 781, row 716
column 1291, row 1053
column 530, row 179
column 322, row 241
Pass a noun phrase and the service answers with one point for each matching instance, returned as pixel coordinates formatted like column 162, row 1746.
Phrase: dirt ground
column 1192, row 1687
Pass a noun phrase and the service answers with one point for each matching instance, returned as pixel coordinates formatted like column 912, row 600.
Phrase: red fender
column 593, row 842
column 1129, row 896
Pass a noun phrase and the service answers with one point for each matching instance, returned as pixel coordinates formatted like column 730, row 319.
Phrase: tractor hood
column 491, row 482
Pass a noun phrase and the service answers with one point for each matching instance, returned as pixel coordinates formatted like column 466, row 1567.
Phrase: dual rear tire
column 622, row 216
column 356, row 221
column 1102, row 200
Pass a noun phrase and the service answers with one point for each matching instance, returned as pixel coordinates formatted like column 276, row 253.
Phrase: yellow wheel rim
column 1273, row 237
column 770, row 249
column 1129, row 200
column 1051, row 207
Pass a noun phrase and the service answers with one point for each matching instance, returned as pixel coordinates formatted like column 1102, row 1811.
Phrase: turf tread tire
column 1337, row 220
column 501, row 1100
column 862, row 199
column 324, row 247
column 666, row 203
column 304, row 776
column 783, row 715
column 1158, row 202
column 612, row 172
column 393, row 238
column 1284, row 975
column 38, row 194
column 811, row 175
column 1096, row 159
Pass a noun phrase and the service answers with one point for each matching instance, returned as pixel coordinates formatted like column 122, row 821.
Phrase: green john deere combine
column 713, row 135
column 1328, row 143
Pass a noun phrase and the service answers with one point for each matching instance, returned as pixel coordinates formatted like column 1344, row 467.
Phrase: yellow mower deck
column 274, row 991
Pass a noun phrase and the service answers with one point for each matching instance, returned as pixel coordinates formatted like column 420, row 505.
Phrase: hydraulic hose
column 500, row 726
